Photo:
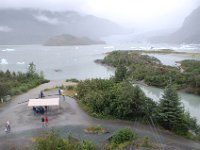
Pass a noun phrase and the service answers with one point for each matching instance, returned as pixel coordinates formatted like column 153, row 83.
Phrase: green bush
column 88, row 145
column 72, row 80
column 123, row 135
column 70, row 87
column 52, row 141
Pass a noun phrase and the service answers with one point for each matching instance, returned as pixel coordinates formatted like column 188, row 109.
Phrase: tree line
column 12, row 83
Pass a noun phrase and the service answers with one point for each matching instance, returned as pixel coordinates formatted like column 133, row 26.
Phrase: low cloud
column 5, row 29
column 138, row 14
column 45, row 19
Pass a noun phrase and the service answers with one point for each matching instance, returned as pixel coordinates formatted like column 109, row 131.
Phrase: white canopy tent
column 43, row 102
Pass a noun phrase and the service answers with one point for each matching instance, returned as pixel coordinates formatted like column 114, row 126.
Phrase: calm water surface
column 191, row 102
column 56, row 62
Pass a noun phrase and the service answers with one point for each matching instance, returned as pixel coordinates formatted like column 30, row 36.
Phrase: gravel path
column 70, row 119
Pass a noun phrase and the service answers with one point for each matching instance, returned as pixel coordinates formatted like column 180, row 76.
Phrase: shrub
column 123, row 135
column 52, row 141
column 70, row 87
column 97, row 129
column 72, row 80
column 147, row 143
column 88, row 145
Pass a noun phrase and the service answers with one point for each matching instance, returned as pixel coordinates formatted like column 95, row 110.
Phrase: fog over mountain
column 33, row 26
column 188, row 33
column 34, row 21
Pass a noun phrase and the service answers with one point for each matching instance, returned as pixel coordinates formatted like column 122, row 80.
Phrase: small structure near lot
column 43, row 102
column 40, row 106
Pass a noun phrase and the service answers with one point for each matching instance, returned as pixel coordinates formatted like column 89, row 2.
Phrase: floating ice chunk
column 109, row 47
column 21, row 63
column 76, row 47
column 8, row 50
column 3, row 61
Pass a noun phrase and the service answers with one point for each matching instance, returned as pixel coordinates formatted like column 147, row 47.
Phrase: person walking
column 46, row 120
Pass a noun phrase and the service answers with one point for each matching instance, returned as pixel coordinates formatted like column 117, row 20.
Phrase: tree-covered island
column 151, row 71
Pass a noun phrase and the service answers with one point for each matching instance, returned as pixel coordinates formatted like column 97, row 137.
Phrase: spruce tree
column 171, row 112
column 120, row 73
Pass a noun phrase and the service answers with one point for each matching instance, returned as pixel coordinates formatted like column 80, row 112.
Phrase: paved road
column 70, row 119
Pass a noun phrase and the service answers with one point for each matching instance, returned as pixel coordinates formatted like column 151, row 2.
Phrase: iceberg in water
column 20, row 63
column 3, row 61
column 8, row 50
column 109, row 47
column 188, row 46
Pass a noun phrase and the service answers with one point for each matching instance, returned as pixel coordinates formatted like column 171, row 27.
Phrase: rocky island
column 67, row 39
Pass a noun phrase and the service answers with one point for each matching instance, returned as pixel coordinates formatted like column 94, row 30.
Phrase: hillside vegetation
column 12, row 83
column 152, row 72
column 119, row 98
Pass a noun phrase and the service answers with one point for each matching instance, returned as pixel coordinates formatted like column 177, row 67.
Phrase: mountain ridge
column 32, row 26
column 189, row 33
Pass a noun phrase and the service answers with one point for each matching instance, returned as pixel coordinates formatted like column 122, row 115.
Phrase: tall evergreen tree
column 32, row 70
column 171, row 112
column 120, row 73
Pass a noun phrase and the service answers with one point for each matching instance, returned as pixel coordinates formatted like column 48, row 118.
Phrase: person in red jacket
column 46, row 121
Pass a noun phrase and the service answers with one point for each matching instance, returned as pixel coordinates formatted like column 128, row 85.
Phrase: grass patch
column 125, row 138
column 121, row 146
column 145, row 142
column 53, row 141
column 166, row 51
column 70, row 92
column 95, row 129
column 121, row 139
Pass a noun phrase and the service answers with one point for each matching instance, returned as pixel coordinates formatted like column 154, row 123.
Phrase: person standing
column 34, row 110
column 42, row 120
column 59, row 92
column 46, row 120
column 8, row 127
column 41, row 94
column 63, row 94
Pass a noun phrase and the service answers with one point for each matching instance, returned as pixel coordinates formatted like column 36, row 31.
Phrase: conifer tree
column 120, row 73
column 171, row 112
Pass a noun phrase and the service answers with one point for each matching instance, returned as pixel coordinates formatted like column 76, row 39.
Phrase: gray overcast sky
column 139, row 14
